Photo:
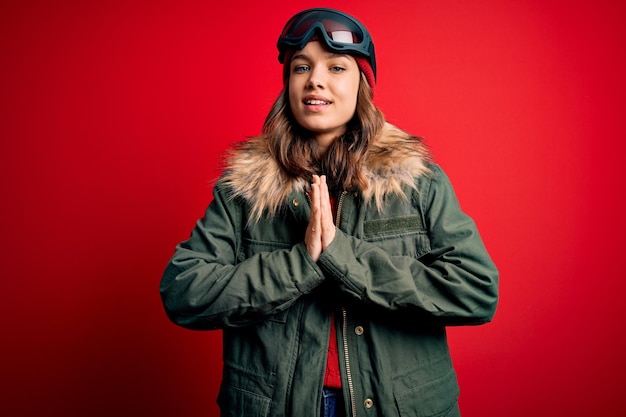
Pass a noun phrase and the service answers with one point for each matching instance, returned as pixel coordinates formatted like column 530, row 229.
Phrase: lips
column 312, row 100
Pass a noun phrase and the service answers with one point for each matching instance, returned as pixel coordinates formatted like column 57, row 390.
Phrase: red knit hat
column 366, row 69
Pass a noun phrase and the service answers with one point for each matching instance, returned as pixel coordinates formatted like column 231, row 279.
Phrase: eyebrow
column 331, row 55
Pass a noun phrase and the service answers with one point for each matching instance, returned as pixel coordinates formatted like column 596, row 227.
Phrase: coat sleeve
column 455, row 283
column 204, row 285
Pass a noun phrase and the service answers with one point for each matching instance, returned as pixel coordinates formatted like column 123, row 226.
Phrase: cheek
column 351, row 93
column 292, row 99
column 294, row 87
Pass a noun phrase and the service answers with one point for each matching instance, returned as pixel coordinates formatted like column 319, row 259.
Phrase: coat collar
column 392, row 164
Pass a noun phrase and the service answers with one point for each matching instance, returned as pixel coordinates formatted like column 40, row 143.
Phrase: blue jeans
column 332, row 403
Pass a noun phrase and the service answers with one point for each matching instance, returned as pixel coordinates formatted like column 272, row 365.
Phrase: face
column 323, row 89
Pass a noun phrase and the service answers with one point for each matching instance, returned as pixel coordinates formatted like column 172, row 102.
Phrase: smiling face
column 323, row 89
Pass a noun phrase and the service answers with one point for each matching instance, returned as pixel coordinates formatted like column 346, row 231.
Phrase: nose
column 316, row 77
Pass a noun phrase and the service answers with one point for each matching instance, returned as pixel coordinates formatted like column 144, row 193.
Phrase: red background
column 112, row 116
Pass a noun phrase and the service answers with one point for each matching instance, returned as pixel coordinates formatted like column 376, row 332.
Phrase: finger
column 327, row 217
column 316, row 210
column 325, row 206
column 313, row 232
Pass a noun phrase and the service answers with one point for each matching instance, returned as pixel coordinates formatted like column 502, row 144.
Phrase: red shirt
column 332, row 377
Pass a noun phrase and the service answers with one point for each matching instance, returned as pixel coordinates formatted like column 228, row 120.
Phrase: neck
column 324, row 141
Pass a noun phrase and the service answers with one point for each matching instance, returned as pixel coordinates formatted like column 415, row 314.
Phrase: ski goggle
column 340, row 32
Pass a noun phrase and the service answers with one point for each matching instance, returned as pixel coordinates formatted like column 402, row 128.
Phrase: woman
column 334, row 252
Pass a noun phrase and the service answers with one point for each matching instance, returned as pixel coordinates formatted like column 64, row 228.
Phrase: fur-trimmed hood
column 392, row 163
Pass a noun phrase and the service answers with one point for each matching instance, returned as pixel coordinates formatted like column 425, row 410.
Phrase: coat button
column 358, row 330
column 295, row 202
column 368, row 403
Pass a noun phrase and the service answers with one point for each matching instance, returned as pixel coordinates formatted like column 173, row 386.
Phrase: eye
column 299, row 69
column 337, row 68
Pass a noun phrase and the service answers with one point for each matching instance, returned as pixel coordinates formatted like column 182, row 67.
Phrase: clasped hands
column 321, row 229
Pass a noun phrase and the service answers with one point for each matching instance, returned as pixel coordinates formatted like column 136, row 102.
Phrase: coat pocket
column 403, row 235
column 437, row 398
column 235, row 402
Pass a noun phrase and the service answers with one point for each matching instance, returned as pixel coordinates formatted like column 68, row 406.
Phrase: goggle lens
column 339, row 28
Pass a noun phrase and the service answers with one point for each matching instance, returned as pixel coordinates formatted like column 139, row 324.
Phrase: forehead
column 316, row 49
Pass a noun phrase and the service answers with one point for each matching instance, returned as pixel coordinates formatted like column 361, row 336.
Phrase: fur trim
column 395, row 160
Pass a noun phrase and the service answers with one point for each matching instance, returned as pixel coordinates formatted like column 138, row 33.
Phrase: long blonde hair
column 296, row 152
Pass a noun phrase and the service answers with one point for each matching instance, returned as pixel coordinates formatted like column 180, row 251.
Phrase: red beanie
column 366, row 69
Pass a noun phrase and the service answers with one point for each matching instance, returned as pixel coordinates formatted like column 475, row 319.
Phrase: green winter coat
column 405, row 263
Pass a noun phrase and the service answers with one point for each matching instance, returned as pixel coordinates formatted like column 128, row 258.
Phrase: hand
column 321, row 229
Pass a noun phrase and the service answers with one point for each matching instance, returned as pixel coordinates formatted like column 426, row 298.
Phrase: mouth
column 315, row 102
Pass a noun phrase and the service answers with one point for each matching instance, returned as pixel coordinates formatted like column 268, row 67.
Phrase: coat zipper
column 344, row 327
column 339, row 205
